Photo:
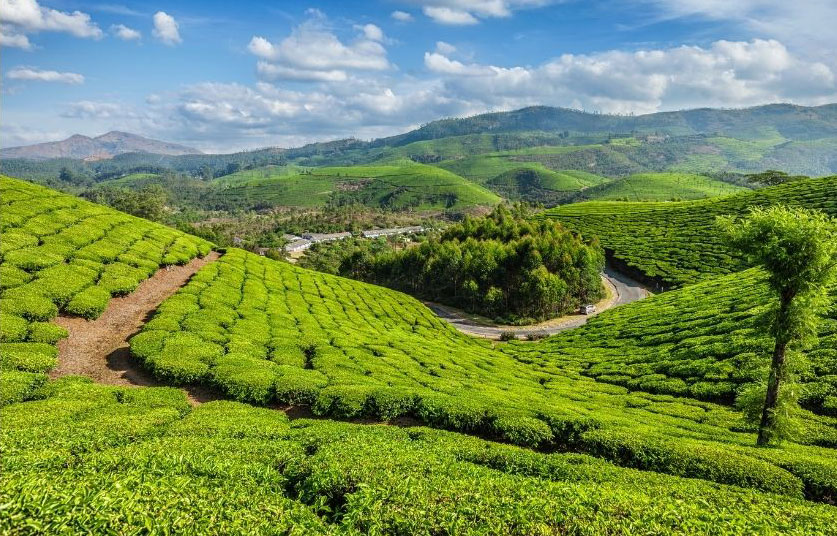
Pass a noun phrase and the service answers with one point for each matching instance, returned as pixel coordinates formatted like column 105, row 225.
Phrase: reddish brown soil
column 99, row 348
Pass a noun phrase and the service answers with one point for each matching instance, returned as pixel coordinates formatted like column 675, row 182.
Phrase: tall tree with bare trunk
column 798, row 249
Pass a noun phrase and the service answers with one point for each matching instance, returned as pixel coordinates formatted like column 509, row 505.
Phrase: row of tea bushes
column 678, row 243
column 267, row 332
column 59, row 253
column 91, row 459
column 702, row 341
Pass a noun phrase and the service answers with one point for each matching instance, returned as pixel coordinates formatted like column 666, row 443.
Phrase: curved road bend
column 625, row 290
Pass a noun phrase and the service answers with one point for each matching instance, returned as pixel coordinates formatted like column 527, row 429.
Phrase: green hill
column 63, row 254
column 679, row 243
column 399, row 186
column 267, row 332
column 660, row 187
column 702, row 341
column 537, row 184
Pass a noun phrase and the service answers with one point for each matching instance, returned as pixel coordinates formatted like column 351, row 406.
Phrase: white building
column 298, row 245
column 375, row 233
column 325, row 237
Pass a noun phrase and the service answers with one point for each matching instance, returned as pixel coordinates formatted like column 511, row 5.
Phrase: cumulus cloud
column 464, row 12
column 22, row 17
column 10, row 38
column 40, row 75
column 126, row 34
column 166, row 29
column 313, row 52
column 724, row 74
column 445, row 48
column 401, row 16
column 94, row 110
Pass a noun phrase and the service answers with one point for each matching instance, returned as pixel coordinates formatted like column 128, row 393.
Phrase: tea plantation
column 402, row 184
column 620, row 427
column 86, row 458
column 267, row 332
column 678, row 243
column 702, row 341
column 661, row 187
column 63, row 254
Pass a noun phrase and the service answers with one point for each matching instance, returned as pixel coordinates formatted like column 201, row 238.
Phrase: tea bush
column 678, row 243
column 267, row 332
column 60, row 253
column 85, row 458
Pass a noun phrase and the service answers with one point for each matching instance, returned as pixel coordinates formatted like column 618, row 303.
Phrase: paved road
column 626, row 291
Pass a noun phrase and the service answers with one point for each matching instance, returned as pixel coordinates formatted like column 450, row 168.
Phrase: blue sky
column 224, row 76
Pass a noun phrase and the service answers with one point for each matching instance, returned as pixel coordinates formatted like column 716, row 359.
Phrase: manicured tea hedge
column 703, row 341
column 679, row 243
column 266, row 332
column 60, row 253
column 90, row 459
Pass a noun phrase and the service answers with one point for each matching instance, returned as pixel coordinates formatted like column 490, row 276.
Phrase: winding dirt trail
column 99, row 348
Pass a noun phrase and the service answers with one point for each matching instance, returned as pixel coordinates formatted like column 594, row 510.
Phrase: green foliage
column 404, row 185
column 351, row 350
column 79, row 459
column 675, row 244
column 540, row 269
column 60, row 253
column 89, row 303
column 798, row 249
column 660, row 187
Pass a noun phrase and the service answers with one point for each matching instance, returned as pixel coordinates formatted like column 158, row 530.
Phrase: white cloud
column 441, row 64
column 401, row 16
column 126, row 34
column 373, row 33
column 463, row 12
column 445, row 48
column 21, row 17
column 272, row 71
column 313, row 52
column 166, row 29
column 446, row 15
column 94, row 110
column 805, row 25
column 33, row 73
column 11, row 38
column 723, row 74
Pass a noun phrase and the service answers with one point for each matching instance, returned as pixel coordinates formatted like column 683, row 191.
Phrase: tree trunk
column 777, row 367
column 777, row 371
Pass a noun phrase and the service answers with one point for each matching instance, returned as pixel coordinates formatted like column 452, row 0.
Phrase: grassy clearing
column 60, row 253
column 679, row 243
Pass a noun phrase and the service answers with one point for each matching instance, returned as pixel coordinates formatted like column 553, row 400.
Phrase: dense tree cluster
column 502, row 265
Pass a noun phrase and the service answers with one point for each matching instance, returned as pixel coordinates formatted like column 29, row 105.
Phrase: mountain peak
column 105, row 146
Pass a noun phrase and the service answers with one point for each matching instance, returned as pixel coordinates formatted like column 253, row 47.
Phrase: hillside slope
column 267, row 332
column 703, row 341
column 94, row 459
column 679, row 243
column 399, row 186
column 63, row 254
column 660, row 187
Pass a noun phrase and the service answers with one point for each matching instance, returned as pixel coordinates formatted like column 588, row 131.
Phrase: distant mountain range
column 99, row 148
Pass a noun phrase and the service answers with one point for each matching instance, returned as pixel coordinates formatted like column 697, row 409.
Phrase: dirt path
column 99, row 348
column 621, row 290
